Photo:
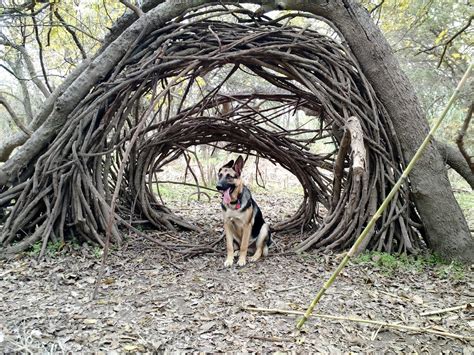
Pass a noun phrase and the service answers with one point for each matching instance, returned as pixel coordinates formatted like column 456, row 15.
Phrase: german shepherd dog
column 243, row 220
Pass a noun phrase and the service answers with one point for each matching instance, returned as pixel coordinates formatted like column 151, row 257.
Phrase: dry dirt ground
column 150, row 300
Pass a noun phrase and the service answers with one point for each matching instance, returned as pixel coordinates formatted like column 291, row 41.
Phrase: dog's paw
column 254, row 258
column 242, row 262
column 228, row 262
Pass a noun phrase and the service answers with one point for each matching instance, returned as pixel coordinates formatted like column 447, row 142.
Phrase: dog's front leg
column 244, row 245
column 229, row 238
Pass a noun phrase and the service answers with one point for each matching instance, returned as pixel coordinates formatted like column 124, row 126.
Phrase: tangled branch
column 154, row 106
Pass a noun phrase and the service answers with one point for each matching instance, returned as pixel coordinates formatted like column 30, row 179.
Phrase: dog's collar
column 237, row 202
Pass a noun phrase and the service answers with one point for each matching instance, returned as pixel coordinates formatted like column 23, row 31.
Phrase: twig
column 365, row 321
column 446, row 43
column 446, row 310
column 182, row 183
column 290, row 288
column 376, row 7
column 40, row 50
column 273, row 339
column 453, row 37
column 134, row 8
column 72, row 33
column 14, row 116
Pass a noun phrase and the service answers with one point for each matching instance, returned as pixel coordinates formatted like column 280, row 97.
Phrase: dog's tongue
column 226, row 197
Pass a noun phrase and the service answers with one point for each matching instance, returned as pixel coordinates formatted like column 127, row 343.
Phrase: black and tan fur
column 243, row 220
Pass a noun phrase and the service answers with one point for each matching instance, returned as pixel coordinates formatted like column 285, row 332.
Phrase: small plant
column 54, row 248
column 388, row 263
column 454, row 270
column 97, row 251
column 51, row 249
column 35, row 249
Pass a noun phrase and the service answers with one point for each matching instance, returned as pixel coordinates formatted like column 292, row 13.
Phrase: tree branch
column 40, row 49
column 460, row 138
column 455, row 160
column 446, row 43
column 134, row 8
column 29, row 64
column 17, row 11
column 376, row 7
column 126, row 20
column 26, row 101
column 14, row 116
column 453, row 37
column 71, row 32
column 7, row 146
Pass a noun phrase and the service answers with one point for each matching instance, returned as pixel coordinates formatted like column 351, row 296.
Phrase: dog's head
column 229, row 181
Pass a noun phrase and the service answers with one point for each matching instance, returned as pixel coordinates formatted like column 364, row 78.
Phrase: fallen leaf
column 417, row 299
column 89, row 280
column 207, row 327
column 130, row 347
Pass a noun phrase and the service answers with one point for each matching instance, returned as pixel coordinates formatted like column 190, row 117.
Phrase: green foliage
column 35, row 249
column 390, row 263
column 418, row 32
column 98, row 251
column 51, row 249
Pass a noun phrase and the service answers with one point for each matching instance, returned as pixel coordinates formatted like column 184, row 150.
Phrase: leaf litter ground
column 152, row 300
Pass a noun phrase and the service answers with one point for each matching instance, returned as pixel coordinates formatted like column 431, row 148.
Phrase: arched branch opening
column 182, row 86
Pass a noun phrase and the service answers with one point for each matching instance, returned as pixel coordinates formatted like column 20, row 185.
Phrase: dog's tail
column 269, row 241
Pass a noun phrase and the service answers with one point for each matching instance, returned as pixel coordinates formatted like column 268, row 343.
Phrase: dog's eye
column 220, row 175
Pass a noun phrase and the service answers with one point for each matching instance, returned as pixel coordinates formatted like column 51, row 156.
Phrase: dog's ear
column 228, row 165
column 239, row 165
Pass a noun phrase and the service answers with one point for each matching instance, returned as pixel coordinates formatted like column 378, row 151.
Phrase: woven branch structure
column 157, row 94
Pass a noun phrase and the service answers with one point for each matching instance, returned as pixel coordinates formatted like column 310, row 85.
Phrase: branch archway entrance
column 181, row 86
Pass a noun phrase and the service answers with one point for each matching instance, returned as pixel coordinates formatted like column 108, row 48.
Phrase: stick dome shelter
column 136, row 109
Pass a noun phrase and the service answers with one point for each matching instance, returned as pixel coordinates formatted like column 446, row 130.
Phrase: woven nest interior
column 155, row 106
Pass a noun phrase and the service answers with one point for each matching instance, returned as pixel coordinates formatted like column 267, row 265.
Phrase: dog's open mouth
column 226, row 195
